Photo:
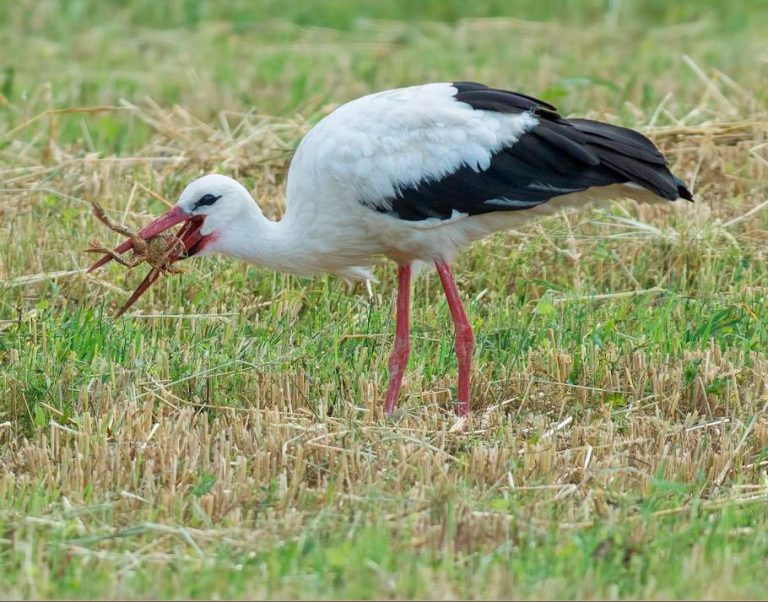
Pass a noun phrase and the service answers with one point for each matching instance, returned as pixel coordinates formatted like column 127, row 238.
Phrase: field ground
column 226, row 438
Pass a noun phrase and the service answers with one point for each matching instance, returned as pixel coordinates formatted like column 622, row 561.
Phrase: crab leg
column 153, row 275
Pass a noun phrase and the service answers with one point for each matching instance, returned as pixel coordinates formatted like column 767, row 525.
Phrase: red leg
column 465, row 338
column 402, row 349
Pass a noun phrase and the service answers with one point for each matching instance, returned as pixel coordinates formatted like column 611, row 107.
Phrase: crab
column 159, row 252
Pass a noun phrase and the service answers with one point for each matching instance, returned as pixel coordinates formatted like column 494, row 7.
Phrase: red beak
column 161, row 224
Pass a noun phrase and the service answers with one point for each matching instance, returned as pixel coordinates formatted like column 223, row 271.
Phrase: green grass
column 721, row 548
column 226, row 439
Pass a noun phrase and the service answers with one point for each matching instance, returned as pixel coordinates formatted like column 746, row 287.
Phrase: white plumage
column 373, row 146
column 415, row 174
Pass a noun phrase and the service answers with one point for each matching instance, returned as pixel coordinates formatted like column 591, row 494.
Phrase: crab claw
column 166, row 221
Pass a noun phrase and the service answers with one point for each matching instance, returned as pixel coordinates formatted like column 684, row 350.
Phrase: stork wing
column 431, row 151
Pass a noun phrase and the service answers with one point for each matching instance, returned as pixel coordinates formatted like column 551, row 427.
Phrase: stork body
column 415, row 174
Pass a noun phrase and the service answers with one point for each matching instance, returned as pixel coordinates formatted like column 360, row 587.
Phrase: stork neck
column 257, row 239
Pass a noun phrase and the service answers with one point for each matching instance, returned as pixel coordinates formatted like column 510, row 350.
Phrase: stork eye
column 208, row 199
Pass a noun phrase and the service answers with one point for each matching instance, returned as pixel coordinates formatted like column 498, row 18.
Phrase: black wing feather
column 558, row 156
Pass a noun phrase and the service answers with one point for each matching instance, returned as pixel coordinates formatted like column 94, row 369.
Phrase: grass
column 226, row 438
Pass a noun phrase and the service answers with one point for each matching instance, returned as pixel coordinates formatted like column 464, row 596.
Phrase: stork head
column 214, row 203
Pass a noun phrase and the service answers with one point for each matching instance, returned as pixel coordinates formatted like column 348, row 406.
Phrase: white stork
column 415, row 174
